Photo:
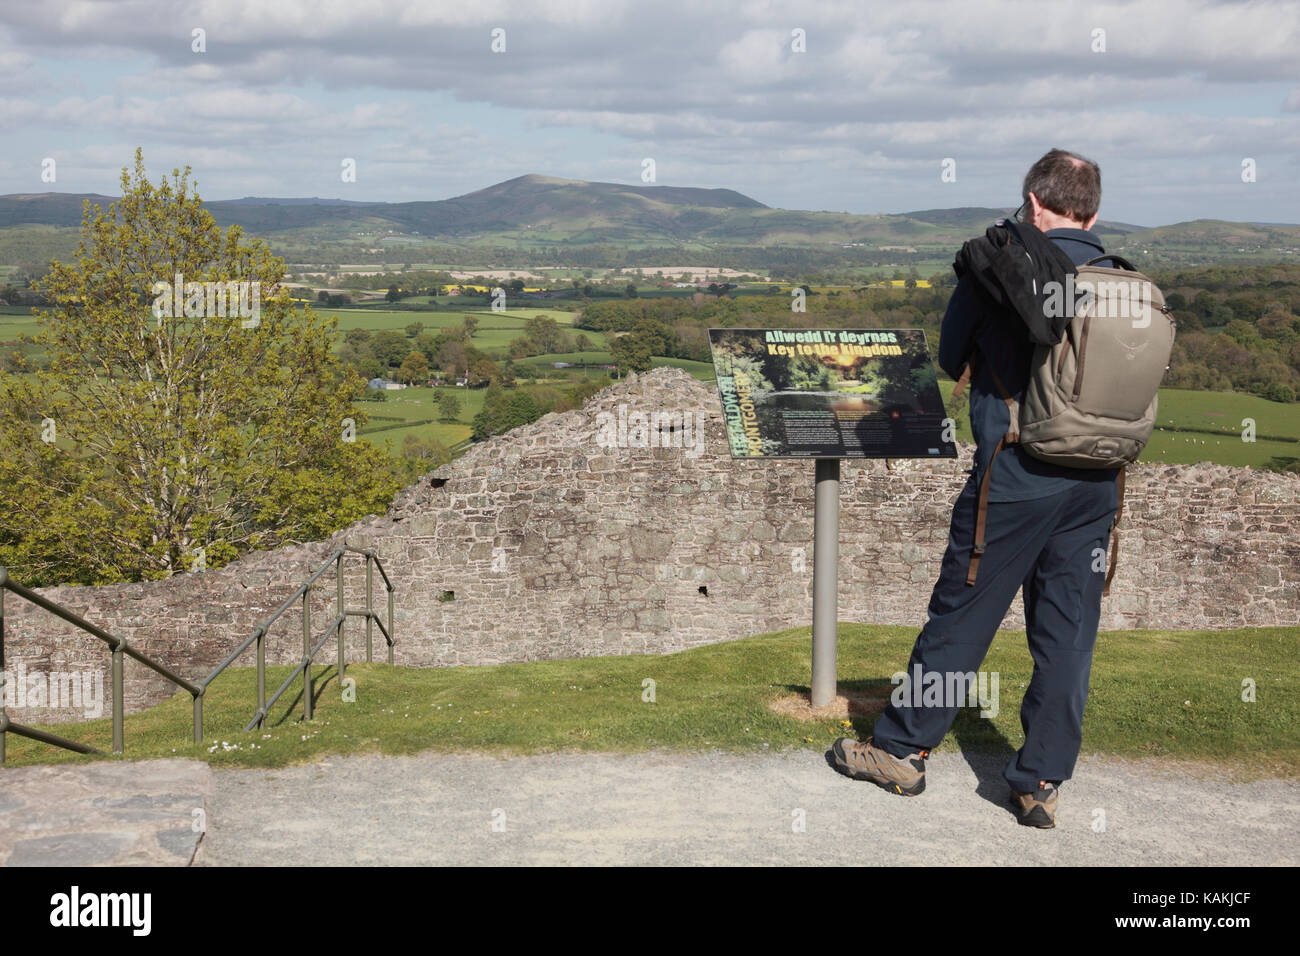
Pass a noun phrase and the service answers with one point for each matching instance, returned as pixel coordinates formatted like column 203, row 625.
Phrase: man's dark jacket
column 997, row 308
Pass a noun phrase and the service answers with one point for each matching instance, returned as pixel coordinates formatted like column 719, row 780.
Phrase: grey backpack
column 1091, row 398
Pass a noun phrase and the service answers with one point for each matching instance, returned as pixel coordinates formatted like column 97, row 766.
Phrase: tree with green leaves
column 543, row 334
column 414, row 369
column 178, row 424
column 422, row 455
column 631, row 352
column 390, row 347
column 448, row 406
column 482, row 369
column 504, row 409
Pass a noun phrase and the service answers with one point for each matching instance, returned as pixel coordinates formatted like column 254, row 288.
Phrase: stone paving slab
column 114, row 813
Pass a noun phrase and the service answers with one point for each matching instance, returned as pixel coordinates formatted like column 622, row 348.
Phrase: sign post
column 829, row 394
column 826, row 567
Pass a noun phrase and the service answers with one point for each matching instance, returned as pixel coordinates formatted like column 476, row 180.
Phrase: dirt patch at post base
column 847, row 703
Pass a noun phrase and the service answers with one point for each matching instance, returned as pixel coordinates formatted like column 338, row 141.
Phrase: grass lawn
column 495, row 330
column 540, row 365
column 701, row 370
column 16, row 321
column 600, row 357
column 446, row 434
column 414, row 411
column 493, row 334
column 1223, row 411
column 1171, row 694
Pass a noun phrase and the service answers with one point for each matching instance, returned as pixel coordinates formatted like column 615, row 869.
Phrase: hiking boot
column 866, row 761
column 1036, row 809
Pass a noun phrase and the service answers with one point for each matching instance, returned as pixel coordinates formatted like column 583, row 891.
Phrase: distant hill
column 313, row 201
column 559, row 208
column 1217, row 230
column 544, row 210
column 46, row 209
column 975, row 219
column 1212, row 240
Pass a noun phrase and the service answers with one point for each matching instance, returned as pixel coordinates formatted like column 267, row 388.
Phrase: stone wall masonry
column 555, row 546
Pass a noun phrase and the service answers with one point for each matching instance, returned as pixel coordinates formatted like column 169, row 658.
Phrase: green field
column 494, row 332
column 1193, row 426
column 701, row 370
column 541, row 364
column 417, row 408
column 16, row 321
column 411, row 411
column 1223, row 412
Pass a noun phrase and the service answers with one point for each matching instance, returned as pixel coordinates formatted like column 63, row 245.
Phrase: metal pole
column 261, row 677
column 306, row 654
column 370, row 608
column 4, row 686
column 198, row 718
column 826, row 558
column 339, row 614
column 118, row 745
column 391, row 635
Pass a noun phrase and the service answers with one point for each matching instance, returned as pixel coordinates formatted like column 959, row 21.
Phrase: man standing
column 1044, row 526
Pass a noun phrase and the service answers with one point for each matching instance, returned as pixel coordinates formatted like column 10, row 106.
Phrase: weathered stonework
column 557, row 547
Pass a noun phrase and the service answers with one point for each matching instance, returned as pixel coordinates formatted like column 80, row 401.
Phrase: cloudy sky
column 850, row 106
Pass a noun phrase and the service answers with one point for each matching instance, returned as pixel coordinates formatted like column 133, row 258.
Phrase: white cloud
column 713, row 91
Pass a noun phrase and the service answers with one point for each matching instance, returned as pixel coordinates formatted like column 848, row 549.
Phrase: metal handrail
column 262, row 712
column 341, row 615
column 121, row 649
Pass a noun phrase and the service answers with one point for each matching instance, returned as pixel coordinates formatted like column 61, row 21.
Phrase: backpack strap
column 963, row 381
column 1123, row 263
column 1114, row 532
column 982, row 515
column 1013, row 407
column 1010, row 438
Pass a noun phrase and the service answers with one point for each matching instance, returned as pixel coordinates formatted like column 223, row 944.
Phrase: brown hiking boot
column 866, row 761
column 1036, row 809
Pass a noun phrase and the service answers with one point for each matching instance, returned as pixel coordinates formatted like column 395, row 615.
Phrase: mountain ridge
column 546, row 210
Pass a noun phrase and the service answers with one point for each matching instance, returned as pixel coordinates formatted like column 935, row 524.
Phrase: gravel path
column 666, row 808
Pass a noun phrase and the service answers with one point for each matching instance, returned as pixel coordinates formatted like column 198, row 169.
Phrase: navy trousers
column 1056, row 549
